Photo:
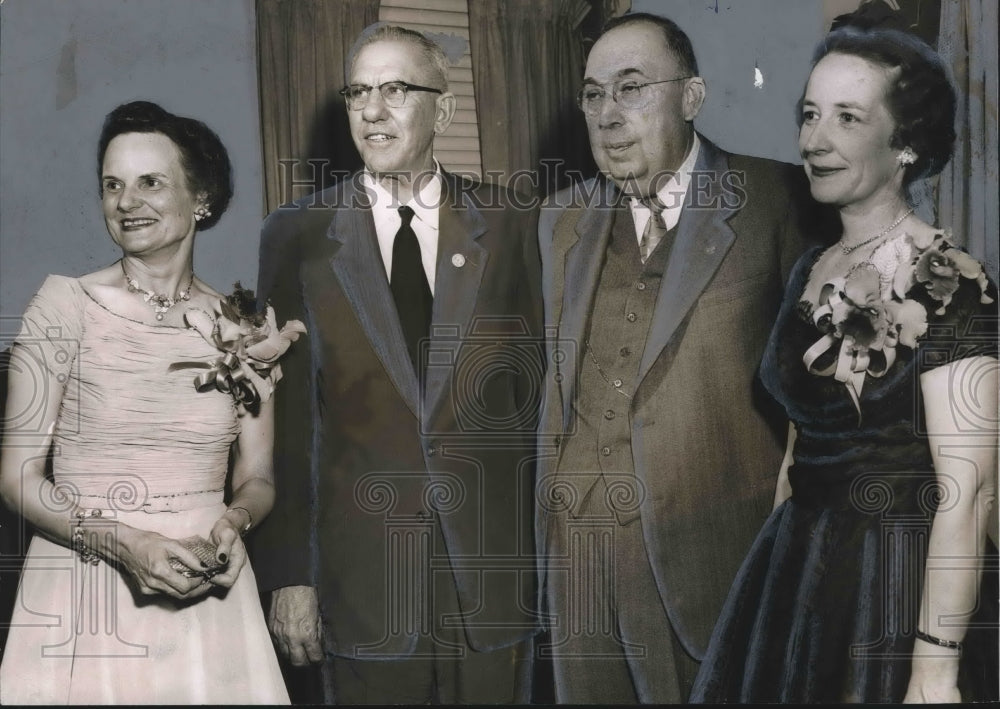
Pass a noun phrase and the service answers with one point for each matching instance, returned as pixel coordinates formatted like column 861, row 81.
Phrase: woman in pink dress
column 135, row 587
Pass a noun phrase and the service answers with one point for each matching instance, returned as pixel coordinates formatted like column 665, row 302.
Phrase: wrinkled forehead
column 636, row 51
column 389, row 60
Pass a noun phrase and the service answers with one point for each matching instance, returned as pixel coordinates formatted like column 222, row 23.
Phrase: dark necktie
column 655, row 228
column 409, row 286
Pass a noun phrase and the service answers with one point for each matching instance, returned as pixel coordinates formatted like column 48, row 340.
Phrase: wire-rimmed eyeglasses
column 627, row 94
column 393, row 93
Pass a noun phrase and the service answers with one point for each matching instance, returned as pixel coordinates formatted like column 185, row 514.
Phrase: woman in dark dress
column 864, row 584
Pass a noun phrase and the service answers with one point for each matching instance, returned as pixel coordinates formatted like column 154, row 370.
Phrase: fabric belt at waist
column 167, row 502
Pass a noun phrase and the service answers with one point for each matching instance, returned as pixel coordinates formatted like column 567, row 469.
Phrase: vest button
column 609, row 414
column 624, row 351
column 618, row 383
column 640, row 286
column 605, row 451
column 631, row 317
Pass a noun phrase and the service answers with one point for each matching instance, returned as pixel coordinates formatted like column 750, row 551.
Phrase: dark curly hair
column 921, row 97
column 204, row 158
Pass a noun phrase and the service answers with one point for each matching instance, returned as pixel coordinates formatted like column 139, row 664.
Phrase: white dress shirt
column 385, row 212
column 672, row 194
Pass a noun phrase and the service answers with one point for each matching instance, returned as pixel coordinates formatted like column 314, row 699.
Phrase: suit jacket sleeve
column 282, row 547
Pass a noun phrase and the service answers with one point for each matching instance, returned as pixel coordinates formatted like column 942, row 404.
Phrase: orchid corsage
column 867, row 313
column 250, row 344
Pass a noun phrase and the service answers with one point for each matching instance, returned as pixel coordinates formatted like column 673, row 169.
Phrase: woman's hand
column 934, row 675
column 146, row 557
column 226, row 535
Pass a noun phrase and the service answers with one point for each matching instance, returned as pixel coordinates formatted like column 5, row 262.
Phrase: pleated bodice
column 129, row 426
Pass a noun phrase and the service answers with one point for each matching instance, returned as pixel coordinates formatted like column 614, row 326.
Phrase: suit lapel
column 703, row 239
column 461, row 262
column 358, row 266
column 579, row 242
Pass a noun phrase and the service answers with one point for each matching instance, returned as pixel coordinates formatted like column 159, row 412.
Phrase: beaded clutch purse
column 205, row 551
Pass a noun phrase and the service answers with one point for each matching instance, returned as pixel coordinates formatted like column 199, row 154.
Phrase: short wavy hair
column 204, row 158
column 434, row 54
column 921, row 97
column 674, row 38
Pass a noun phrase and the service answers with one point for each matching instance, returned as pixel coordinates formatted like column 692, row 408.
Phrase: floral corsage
column 866, row 313
column 251, row 345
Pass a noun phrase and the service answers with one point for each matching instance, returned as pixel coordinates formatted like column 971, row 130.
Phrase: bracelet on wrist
column 927, row 638
column 78, row 540
column 249, row 524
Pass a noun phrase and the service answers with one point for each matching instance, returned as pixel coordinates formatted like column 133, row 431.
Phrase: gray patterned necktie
column 655, row 228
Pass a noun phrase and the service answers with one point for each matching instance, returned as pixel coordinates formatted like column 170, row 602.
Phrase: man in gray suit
column 662, row 278
column 400, row 548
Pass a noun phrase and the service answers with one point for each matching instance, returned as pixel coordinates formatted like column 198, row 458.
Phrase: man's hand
column 295, row 625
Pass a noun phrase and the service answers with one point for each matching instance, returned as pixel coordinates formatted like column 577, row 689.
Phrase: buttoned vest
column 601, row 445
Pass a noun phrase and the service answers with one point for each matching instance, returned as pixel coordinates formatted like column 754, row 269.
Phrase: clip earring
column 906, row 157
column 202, row 213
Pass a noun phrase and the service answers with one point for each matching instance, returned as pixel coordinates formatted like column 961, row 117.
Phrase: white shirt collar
column 672, row 194
column 385, row 214
column 424, row 203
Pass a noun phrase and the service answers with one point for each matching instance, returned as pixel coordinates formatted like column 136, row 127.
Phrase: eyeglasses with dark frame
column 627, row 94
column 393, row 93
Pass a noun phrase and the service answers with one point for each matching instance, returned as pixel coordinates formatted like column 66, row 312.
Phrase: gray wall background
column 65, row 63
column 731, row 38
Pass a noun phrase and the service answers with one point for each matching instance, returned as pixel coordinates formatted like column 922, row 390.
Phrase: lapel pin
column 457, row 260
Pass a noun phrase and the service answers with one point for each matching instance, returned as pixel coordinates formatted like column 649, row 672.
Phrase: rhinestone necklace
column 160, row 302
column 849, row 249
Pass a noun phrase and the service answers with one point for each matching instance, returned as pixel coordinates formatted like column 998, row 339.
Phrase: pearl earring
column 906, row 157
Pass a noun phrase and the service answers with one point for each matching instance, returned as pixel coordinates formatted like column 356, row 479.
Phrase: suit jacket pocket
column 752, row 285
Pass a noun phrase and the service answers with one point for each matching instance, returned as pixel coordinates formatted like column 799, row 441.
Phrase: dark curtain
column 302, row 46
column 528, row 61
column 968, row 187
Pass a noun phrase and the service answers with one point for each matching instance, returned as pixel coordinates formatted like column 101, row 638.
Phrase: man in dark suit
column 400, row 548
column 662, row 278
